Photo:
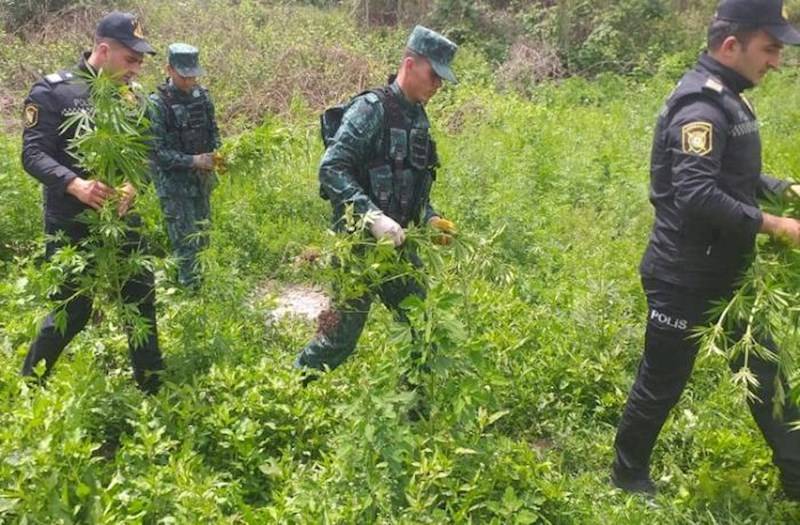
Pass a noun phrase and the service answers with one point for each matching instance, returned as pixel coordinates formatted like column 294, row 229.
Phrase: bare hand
column 127, row 196
column 203, row 161
column 92, row 193
column 783, row 228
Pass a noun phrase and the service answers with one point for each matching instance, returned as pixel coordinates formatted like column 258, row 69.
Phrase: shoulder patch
column 56, row 78
column 31, row 115
column 372, row 98
column 697, row 138
column 713, row 85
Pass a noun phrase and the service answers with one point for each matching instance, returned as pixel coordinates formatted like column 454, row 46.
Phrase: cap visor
column 190, row 71
column 785, row 33
column 444, row 72
column 140, row 46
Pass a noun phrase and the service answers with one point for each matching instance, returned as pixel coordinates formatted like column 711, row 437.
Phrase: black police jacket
column 44, row 145
column 705, row 181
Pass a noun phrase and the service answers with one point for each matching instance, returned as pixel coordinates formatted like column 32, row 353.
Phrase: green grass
column 538, row 316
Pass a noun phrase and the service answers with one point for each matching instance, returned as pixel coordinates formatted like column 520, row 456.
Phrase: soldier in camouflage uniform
column 185, row 135
column 382, row 160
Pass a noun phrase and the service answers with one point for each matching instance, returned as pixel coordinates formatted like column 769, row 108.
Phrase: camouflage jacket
column 359, row 167
column 182, row 125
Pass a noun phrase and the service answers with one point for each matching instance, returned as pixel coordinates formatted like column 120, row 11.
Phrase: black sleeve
column 40, row 140
column 697, row 137
column 771, row 186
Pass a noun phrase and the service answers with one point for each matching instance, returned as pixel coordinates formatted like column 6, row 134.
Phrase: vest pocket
column 419, row 145
column 381, row 186
column 405, row 193
column 398, row 144
column 181, row 115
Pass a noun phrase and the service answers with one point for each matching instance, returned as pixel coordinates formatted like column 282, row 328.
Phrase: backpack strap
column 167, row 98
column 392, row 118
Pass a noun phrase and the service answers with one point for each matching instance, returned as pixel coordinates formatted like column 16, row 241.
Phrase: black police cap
column 126, row 29
column 769, row 15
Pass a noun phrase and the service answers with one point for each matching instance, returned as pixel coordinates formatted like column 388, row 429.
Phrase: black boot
column 149, row 381
column 633, row 484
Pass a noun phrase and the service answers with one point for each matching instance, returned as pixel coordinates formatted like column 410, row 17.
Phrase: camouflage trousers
column 187, row 218
column 340, row 327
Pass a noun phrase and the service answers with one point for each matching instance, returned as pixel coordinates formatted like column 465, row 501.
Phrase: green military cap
column 185, row 59
column 436, row 48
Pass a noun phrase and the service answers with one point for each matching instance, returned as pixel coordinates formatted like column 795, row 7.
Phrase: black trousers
column 139, row 291
column 665, row 368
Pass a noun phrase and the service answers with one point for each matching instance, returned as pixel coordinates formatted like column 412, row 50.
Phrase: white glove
column 383, row 226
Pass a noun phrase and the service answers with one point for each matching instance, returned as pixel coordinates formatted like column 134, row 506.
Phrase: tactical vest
column 399, row 179
column 190, row 120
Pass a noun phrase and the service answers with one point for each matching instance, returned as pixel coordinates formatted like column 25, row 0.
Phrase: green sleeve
column 351, row 149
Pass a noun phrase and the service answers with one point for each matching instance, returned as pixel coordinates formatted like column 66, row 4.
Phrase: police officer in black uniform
column 119, row 48
column 705, row 181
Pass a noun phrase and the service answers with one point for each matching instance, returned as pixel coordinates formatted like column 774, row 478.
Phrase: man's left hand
column 127, row 195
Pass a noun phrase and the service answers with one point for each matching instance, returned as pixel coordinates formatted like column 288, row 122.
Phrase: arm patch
column 31, row 115
column 697, row 138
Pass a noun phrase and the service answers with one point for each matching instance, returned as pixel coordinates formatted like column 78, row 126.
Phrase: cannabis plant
column 110, row 144
column 764, row 308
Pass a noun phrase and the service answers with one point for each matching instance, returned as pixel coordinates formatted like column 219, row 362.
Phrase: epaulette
column 713, row 85
column 57, row 78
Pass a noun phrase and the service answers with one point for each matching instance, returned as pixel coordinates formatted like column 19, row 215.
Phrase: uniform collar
column 732, row 80
column 83, row 63
column 405, row 104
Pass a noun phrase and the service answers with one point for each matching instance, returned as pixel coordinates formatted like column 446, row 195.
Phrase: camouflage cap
column 436, row 48
column 185, row 59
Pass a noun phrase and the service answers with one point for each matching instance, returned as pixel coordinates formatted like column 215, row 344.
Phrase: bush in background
column 17, row 15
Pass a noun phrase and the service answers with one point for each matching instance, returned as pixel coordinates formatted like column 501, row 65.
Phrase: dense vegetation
column 537, row 311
